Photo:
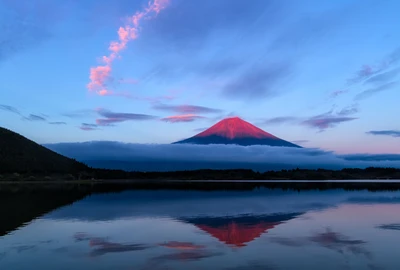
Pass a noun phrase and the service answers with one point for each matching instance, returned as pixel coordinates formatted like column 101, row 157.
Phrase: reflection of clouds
column 289, row 242
column 102, row 246
column 395, row 227
column 153, row 267
column 331, row 240
column 186, row 256
column 108, row 247
column 23, row 248
column 61, row 250
column 328, row 239
column 253, row 266
column 181, row 245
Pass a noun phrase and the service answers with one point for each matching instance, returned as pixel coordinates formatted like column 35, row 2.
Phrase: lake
column 258, row 228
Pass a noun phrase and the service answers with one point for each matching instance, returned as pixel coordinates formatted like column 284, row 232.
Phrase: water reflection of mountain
column 183, row 204
column 240, row 230
column 19, row 208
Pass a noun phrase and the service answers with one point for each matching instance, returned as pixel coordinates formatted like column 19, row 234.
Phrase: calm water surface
column 167, row 229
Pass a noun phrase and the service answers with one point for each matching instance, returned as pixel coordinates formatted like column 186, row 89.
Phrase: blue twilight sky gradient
column 324, row 74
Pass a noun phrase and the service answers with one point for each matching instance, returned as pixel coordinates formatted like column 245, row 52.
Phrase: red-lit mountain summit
column 236, row 131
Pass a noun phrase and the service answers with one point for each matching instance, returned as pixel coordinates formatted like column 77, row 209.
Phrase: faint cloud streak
column 182, row 118
column 185, row 109
column 35, row 117
column 257, row 82
column 369, row 92
column 9, row 109
column 57, row 123
column 110, row 117
column 391, row 133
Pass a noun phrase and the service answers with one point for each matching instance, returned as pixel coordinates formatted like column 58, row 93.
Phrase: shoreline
column 104, row 186
column 158, row 181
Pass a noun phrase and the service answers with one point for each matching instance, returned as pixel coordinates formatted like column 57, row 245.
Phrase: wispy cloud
column 24, row 26
column 101, row 75
column 395, row 227
column 80, row 114
column 182, row 118
column 186, row 109
column 88, row 127
column 349, row 110
column 258, row 82
column 110, row 118
column 323, row 121
column 337, row 93
column 9, row 109
column 281, row 120
column 374, row 72
column 384, row 77
column 369, row 92
column 57, row 123
column 199, row 129
column 327, row 120
column 391, row 133
column 128, row 81
column 35, row 117
column 190, row 30
column 365, row 72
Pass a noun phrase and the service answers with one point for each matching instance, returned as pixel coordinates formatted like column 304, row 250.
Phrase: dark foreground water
column 178, row 229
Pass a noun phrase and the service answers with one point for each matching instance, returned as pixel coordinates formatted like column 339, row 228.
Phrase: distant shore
column 300, row 179
column 161, row 181
column 205, row 185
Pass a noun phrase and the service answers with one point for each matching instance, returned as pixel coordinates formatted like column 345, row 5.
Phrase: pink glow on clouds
column 182, row 118
column 100, row 75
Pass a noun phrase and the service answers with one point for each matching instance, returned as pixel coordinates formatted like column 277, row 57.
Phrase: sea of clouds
column 165, row 157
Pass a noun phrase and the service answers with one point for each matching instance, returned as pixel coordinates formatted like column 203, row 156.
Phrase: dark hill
column 21, row 155
column 236, row 131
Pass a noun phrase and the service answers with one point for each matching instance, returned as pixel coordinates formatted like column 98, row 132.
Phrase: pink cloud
column 182, row 118
column 100, row 75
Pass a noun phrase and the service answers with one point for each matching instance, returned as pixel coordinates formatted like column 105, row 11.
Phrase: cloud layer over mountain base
column 169, row 157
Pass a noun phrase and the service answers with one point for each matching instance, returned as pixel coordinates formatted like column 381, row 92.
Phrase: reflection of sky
column 343, row 234
column 217, row 203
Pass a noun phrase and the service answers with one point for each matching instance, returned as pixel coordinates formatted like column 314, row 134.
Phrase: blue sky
column 323, row 74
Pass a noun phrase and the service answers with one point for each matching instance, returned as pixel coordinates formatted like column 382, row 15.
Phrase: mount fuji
column 236, row 131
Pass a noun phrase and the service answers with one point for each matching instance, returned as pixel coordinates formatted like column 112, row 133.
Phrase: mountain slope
column 236, row 131
column 19, row 155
